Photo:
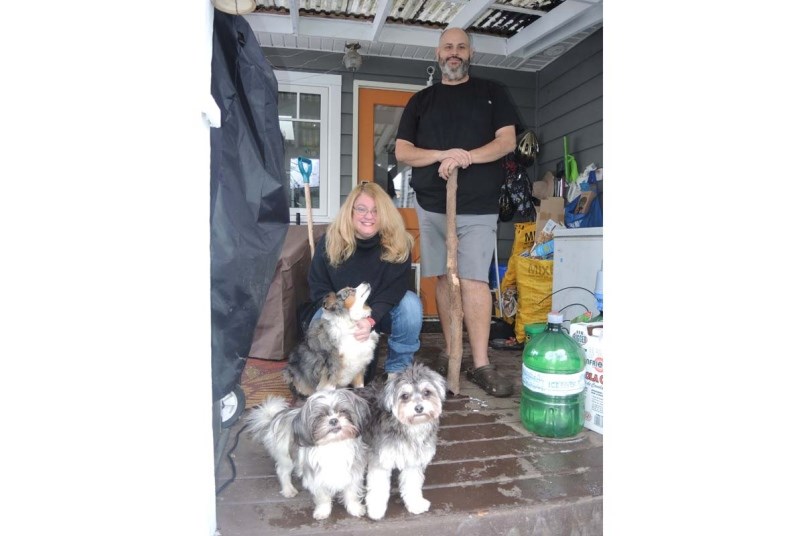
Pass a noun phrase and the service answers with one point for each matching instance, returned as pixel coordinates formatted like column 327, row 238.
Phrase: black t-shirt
column 466, row 116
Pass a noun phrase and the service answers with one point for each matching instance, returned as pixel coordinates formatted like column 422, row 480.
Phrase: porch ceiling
column 524, row 35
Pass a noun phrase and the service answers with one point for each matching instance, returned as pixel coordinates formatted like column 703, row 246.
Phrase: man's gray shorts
column 477, row 236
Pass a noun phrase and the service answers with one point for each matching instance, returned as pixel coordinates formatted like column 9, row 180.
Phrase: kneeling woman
column 367, row 242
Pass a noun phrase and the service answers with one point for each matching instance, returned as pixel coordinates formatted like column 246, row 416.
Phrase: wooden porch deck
column 489, row 476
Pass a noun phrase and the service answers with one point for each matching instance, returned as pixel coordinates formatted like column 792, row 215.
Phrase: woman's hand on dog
column 363, row 330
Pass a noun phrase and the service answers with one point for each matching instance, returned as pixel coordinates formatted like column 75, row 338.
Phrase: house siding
column 563, row 99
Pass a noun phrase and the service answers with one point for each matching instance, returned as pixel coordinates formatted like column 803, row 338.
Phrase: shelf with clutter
column 556, row 259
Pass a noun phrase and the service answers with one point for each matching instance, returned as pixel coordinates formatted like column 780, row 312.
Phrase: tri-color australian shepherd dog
column 330, row 357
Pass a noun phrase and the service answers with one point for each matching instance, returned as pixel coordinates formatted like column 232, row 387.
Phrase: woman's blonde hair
column 395, row 240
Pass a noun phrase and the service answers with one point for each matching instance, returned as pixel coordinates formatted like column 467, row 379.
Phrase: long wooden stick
column 309, row 205
column 305, row 166
column 456, row 307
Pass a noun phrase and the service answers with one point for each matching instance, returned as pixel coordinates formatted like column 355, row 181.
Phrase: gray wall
column 564, row 98
column 569, row 102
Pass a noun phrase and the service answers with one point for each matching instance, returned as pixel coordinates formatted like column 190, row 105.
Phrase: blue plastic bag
column 593, row 218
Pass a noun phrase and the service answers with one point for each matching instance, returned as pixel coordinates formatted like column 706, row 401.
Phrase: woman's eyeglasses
column 363, row 210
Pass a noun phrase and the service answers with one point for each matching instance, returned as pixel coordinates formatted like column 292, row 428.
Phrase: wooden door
column 378, row 119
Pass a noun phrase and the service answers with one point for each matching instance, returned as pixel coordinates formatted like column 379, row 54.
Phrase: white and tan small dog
column 320, row 442
column 405, row 414
column 329, row 356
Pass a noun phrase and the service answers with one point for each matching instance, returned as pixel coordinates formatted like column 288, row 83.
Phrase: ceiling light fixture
column 235, row 7
column 352, row 60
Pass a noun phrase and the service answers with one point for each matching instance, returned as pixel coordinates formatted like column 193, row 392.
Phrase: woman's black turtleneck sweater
column 388, row 281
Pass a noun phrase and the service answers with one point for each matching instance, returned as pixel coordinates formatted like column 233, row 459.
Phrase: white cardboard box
column 593, row 396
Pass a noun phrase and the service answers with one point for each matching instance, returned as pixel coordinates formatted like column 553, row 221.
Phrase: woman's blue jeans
column 403, row 325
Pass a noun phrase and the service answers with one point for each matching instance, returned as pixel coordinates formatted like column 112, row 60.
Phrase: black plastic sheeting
column 249, row 201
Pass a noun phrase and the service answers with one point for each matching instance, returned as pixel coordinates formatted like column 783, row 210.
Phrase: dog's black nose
column 333, row 421
column 419, row 408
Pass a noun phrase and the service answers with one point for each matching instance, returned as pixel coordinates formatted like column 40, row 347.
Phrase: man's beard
column 454, row 74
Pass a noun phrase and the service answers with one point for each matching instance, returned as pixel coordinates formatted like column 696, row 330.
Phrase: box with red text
column 590, row 336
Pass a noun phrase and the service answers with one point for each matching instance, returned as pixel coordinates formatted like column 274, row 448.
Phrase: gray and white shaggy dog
column 319, row 442
column 402, row 434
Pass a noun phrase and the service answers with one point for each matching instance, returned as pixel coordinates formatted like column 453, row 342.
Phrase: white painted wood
column 560, row 24
column 470, row 12
column 383, row 8
column 294, row 16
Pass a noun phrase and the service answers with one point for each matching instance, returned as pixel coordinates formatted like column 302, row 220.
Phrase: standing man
column 466, row 124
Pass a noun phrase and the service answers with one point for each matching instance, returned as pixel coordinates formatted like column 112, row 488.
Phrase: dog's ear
column 440, row 384
column 330, row 301
column 387, row 397
column 302, row 426
column 362, row 411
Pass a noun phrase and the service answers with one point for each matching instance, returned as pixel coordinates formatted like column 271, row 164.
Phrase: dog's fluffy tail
column 259, row 419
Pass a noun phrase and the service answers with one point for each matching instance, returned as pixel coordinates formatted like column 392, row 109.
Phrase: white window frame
column 329, row 87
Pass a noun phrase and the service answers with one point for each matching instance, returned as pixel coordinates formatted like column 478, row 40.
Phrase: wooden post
column 456, row 307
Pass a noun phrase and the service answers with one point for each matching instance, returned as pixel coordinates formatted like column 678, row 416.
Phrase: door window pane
column 388, row 173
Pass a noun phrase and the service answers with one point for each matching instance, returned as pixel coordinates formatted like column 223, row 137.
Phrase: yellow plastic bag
column 534, row 285
column 524, row 236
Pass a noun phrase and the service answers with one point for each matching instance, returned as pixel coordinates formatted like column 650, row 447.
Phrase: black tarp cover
column 249, row 203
